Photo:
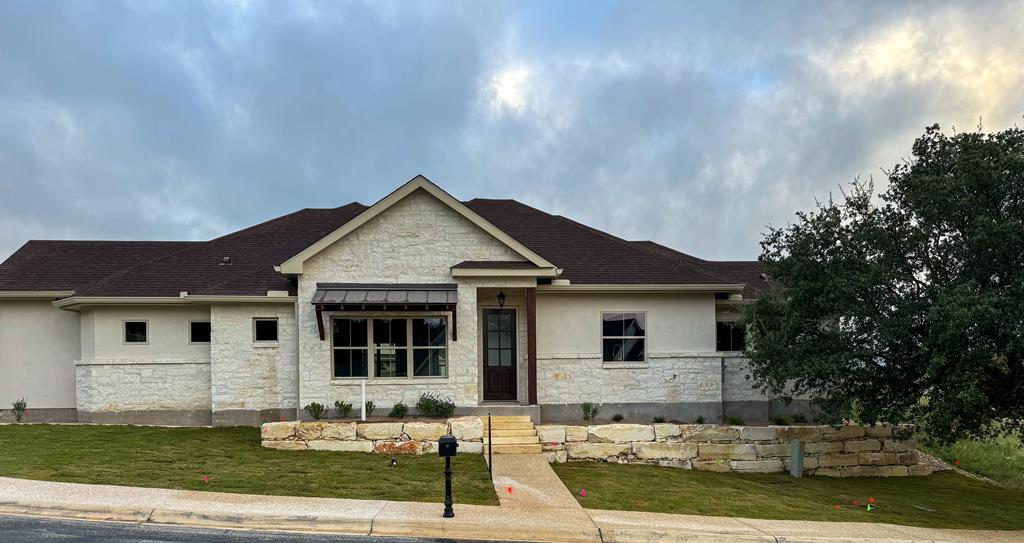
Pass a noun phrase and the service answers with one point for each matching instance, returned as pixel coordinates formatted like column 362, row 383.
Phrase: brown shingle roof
column 750, row 272
column 110, row 268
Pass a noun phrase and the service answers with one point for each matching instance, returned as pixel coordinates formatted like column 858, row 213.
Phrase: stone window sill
column 624, row 365
column 348, row 381
column 265, row 345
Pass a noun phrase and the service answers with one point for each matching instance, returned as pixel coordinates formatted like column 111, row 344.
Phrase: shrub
column 369, row 408
column 316, row 410
column 617, row 417
column 399, row 411
column 431, row 405
column 659, row 419
column 779, row 420
column 700, row 419
column 734, row 421
column 799, row 418
column 590, row 410
column 20, row 408
column 342, row 408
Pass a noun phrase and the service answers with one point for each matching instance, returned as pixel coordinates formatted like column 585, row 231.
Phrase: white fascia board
column 275, row 299
column 79, row 301
column 572, row 289
column 505, row 272
column 294, row 264
column 35, row 294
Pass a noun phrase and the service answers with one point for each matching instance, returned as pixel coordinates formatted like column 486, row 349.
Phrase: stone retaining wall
column 380, row 437
column 847, row 451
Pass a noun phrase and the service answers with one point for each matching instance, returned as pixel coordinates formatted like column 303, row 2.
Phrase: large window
column 622, row 336
column 351, row 345
column 730, row 336
column 398, row 347
column 136, row 332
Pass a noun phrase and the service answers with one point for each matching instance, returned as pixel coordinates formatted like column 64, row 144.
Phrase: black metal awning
column 385, row 297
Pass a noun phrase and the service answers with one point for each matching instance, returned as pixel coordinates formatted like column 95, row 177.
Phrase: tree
column 908, row 308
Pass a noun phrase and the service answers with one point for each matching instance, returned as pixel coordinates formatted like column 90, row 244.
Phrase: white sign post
column 362, row 393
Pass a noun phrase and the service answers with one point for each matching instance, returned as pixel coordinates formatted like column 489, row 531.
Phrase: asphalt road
column 48, row 530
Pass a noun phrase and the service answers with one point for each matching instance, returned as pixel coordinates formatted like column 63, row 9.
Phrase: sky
column 693, row 124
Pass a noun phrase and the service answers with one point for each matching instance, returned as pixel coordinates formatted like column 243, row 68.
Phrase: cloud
column 692, row 125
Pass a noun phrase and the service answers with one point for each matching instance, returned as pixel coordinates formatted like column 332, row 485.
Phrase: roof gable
column 294, row 265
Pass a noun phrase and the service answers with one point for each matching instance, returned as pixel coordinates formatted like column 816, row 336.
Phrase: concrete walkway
column 526, row 482
column 532, row 515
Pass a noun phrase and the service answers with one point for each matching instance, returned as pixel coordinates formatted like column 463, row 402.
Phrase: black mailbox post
column 447, row 446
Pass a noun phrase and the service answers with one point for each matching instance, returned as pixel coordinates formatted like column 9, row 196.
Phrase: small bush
column 399, row 411
column 432, row 406
column 316, row 410
column 700, row 419
column 799, row 418
column 617, row 417
column 779, row 420
column 20, row 408
column 369, row 408
column 590, row 410
column 734, row 421
column 342, row 408
column 659, row 419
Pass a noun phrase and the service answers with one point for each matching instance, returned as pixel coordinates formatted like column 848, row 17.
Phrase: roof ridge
column 628, row 243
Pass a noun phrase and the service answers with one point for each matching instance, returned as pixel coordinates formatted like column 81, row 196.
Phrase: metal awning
column 384, row 297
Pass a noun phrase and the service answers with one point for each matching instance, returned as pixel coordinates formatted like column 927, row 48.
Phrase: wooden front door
column 499, row 354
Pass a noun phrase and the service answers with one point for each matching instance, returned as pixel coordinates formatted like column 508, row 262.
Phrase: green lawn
column 1001, row 459
column 233, row 461
column 944, row 500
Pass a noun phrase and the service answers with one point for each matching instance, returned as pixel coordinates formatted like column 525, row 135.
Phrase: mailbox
column 447, row 446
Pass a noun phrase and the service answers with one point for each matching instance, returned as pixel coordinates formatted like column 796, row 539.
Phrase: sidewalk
column 520, row 518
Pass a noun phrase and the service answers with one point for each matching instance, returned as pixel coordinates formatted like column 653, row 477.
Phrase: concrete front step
column 517, row 418
column 532, row 448
column 501, row 432
column 525, row 440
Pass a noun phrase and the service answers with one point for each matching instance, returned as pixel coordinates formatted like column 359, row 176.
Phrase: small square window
column 265, row 330
column 623, row 336
column 136, row 332
column 199, row 332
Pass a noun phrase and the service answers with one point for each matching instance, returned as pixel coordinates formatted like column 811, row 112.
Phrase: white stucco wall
column 166, row 373
column 415, row 241
column 251, row 376
column 38, row 348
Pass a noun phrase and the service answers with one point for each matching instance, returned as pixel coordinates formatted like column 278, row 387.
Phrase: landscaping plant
column 700, row 419
column 343, row 408
column 799, row 418
column 399, row 411
column 779, row 420
column 734, row 421
column 369, row 408
column 316, row 410
column 659, row 419
column 431, row 405
column 20, row 408
column 905, row 304
column 617, row 417
column 590, row 410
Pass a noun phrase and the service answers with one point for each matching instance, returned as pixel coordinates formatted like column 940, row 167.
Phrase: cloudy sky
column 692, row 124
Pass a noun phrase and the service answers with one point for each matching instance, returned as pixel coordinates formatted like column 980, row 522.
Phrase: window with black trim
column 390, row 348
column 264, row 330
column 730, row 336
column 350, row 340
column 199, row 332
column 430, row 347
column 136, row 332
column 623, row 336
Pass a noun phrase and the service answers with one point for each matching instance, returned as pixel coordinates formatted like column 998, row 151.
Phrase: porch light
column 501, row 299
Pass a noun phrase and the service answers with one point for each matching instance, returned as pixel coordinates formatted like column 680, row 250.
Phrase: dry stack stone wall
column 847, row 451
column 379, row 437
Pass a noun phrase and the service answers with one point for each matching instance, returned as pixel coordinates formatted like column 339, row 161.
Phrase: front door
column 500, row 354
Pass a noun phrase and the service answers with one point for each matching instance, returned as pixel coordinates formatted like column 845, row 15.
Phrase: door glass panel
column 506, row 339
column 492, row 340
column 493, row 359
column 506, row 357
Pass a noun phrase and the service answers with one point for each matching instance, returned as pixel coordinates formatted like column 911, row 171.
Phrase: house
column 495, row 304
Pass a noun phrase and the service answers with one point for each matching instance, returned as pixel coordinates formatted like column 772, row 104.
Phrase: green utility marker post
column 796, row 462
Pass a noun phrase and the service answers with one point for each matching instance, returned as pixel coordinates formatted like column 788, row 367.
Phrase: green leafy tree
column 910, row 306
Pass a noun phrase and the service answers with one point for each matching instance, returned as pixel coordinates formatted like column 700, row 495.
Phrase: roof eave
column 668, row 288
column 35, row 294
column 505, row 272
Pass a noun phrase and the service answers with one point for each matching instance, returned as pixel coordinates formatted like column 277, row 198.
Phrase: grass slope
column 954, row 501
column 1001, row 459
column 233, row 461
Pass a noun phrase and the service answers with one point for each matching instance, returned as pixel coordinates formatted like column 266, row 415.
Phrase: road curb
column 63, row 510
